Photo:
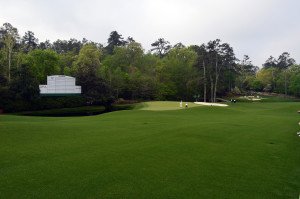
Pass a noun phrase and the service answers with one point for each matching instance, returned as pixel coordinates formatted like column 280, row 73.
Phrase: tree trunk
column 211, row 89
column 204, row 88
column 216, row 80
column 273, row 80
column 285, row 83
column 117, row 93
column 9, row 63
column 215, row 90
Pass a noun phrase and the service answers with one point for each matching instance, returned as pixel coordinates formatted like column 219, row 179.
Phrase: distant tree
column 201, row 64
column 25, row 84
column 294, row 79
column 279, row 66
column 125, row 62
column 130, row 40
column 43, row 63
column 161, row 47
column 256, row 85
column 247, row 72
column 284, row 61
column 179, row 45
column 84, row 41
column 125, row 56
column 213, row 49
column 247, row 67
column 64, row 46
column 134, row 52
column 270, row 62
column 115, row 39
column 94, row 88
column 45, row 45
column 227, row 65
column 266, row 77
column 29, row 42
column 74, row 45
column 246, row 61
column 9, row 36
column 179, row 71
column 3, row 67
column 60, row 46
column 88, row 61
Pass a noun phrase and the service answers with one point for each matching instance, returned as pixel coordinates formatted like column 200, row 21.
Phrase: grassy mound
column 248, row 150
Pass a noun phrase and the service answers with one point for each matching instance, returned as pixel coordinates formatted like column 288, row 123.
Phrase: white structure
column 60, row 85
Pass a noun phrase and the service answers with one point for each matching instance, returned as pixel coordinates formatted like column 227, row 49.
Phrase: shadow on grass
column 77, row 111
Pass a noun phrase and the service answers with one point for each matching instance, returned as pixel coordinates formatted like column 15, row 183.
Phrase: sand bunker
column 210, row 104
column 252, row 98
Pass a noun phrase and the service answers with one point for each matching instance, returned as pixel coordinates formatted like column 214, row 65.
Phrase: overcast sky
column 258, row 28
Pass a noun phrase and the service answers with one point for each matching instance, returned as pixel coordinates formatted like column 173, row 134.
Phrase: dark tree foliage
column 179, row 45
column 25, row 84
column 115, row 39
column 29, row 42
column 270, row 62
column 130, row 40
column 45, row 45
column 161, row 47
column 94, row 89
column 63, row 46
column 8, row 30
column 3, row 80
column 284, row 61
column 246, row 66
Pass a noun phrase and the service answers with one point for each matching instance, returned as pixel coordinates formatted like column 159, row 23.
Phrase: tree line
column 123, row 69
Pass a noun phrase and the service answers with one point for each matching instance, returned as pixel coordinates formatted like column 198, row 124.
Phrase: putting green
column 165, row 105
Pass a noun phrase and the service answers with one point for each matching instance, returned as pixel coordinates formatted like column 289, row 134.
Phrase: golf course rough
column 246, row 150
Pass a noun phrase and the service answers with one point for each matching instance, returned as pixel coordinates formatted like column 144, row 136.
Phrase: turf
column 164, row 105
column 77, row 111
column 246, row 150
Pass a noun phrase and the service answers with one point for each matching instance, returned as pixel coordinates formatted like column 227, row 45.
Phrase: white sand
column 210, row 104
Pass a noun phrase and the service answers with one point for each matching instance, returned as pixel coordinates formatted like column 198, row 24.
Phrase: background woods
column 123, row 69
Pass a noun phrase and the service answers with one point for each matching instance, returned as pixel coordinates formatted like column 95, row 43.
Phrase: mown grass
column 164, row 105
column 246, row 150
column 76, row 111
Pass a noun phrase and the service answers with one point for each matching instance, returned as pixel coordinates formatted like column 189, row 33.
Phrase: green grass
column 164, row 105
column 77, row 111
column 247, row 150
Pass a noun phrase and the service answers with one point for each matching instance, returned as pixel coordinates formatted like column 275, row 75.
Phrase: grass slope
column 248, row 150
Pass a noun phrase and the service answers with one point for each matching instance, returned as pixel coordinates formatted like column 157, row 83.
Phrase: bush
column 236, row 91
column 257, row 85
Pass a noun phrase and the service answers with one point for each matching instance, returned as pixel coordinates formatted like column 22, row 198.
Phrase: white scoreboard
column 60, row 85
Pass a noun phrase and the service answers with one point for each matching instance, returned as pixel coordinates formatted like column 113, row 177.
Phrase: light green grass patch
column 165, row 105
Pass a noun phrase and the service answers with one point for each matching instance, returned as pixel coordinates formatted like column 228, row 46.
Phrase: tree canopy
column 123, row 69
